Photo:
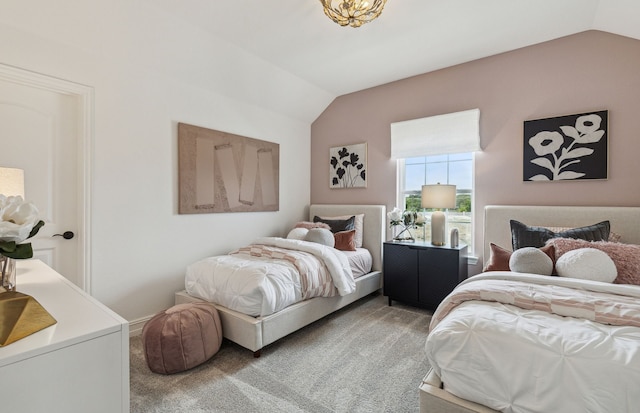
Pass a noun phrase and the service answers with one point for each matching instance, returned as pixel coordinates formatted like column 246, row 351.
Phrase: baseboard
column 136, row 326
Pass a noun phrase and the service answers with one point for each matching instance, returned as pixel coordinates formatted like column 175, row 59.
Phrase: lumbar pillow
column 321, row 236
column 297, row 233
column 531, row 260
column 338, row 225
column 587, row 264
column 526, row 236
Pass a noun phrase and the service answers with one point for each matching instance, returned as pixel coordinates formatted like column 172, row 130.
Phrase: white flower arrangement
column 18, row 222
column 395, row 216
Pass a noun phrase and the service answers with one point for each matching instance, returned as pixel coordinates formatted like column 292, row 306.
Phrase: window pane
column 436, row 172
column 414, row 177
column 419, row 159
column 460, row 156
column 460, row 174
column 437, row 158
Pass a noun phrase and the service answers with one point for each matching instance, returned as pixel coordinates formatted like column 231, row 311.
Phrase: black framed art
column 572, row 147
column 348, row 166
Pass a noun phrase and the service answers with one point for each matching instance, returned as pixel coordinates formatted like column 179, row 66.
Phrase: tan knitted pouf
column 181, row 337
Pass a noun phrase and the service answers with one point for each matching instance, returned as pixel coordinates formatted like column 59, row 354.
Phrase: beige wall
column 585, row 72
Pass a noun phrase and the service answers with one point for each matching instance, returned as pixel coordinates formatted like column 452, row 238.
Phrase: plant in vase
column 405, row 221
column 18, row 222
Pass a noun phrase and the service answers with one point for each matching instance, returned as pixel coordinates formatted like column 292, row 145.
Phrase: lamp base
column 20, row 316
column 438, row 228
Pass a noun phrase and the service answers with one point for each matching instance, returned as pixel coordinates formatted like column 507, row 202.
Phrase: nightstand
column 422, row 274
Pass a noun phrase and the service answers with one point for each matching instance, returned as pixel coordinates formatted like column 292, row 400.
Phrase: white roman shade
column 436, row 135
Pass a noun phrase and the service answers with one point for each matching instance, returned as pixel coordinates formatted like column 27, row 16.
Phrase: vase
column 7, row 274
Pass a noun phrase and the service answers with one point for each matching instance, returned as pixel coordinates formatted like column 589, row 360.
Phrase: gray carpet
column 367, row 357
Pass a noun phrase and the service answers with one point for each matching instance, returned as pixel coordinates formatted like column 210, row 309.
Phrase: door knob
column 65, row 235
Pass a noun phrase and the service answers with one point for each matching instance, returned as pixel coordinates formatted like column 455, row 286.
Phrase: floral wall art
column 566, row 147
column 348, row 166
column 222, row 172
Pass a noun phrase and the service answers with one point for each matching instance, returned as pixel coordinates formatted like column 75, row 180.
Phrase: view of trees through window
column 453, row 169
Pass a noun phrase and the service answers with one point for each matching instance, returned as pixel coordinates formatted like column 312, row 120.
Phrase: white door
column 40, row 132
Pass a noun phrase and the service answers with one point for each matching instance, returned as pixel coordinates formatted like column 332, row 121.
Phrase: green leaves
column 16, row 251
column 20, row 251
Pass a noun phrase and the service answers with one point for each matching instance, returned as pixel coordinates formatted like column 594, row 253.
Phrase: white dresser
column 80, row 364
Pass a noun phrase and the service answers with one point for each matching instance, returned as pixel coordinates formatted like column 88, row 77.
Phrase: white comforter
column 260, row 286
column 528, row 360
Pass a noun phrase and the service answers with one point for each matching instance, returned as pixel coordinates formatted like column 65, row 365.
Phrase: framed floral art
column 572, row 147
column 348, row 166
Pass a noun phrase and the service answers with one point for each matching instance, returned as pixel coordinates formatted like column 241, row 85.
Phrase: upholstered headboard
column 624, row 221
column 374, row 224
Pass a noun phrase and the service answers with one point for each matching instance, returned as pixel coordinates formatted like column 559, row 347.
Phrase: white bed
column 254, row 333
column 434, row 397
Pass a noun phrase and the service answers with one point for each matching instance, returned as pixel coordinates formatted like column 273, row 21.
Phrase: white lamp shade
column 438, row 196
column 12, row 182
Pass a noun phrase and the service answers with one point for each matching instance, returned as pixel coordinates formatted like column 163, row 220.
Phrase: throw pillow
column 526, row 236
column 358, row 224
column 345, row 240
column 531, row 260
column 297, row 233
column 321, row 236
column 338, row 225
column 626, row 257
column 499, row 257
column 309, row 225
column 587, row 264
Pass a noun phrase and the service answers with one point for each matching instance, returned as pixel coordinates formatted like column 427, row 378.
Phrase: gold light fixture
column 352, row 13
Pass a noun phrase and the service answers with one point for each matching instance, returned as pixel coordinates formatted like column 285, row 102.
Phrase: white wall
column 150, row 72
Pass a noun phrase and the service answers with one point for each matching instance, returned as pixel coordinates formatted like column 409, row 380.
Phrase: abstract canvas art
column 348, row 166
column 223, row 172
column 566, row 148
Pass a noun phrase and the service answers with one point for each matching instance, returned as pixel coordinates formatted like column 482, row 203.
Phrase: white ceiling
column 409, row 38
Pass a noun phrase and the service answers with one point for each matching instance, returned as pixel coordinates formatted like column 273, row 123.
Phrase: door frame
column 85, row 98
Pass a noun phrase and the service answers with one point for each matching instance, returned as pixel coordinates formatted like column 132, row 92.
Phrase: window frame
column 402, row 192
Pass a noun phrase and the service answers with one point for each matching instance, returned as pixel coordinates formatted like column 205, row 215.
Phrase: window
column 453, row 169
column 438, row 149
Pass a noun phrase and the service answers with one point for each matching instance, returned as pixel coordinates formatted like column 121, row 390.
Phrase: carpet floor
column 366, row 357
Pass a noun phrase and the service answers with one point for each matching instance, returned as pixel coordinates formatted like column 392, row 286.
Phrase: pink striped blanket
column 603, row 307
column 315, row 280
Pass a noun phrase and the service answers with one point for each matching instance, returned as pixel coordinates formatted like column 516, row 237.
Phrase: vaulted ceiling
column 409, row 38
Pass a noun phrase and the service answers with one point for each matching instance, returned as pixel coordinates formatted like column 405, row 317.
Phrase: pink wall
column 585, row 72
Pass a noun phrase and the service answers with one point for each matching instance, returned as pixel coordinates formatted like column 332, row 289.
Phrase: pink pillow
column 310, row 225
column 626, row 257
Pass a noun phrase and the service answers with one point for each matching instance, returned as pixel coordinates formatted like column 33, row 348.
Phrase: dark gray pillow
column 338, row 225
column 526, row 236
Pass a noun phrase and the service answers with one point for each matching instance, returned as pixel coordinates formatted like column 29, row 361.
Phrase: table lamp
column 438, row 197
column 12, row 182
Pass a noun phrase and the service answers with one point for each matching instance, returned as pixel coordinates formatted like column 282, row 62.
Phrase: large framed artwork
column 572, row 147
column 348, row 166
column 222, row 172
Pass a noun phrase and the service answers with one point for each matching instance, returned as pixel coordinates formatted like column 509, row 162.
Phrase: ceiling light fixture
column 352, row 13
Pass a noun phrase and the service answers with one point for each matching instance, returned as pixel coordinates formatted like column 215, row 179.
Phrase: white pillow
column 587, row 264
column 297, row 233
column 531, row 260
column 321, row 236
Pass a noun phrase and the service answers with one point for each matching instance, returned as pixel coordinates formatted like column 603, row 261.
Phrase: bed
column 256, row 332
column 595, row 367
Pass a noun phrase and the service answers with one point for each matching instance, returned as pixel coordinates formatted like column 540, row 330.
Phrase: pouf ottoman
column 181, row 337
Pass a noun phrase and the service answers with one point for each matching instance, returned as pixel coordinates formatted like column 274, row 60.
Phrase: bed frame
column 254, row 333
column 624, row 221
